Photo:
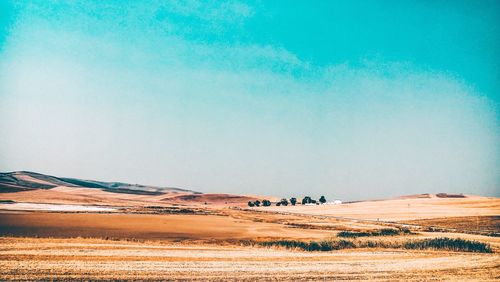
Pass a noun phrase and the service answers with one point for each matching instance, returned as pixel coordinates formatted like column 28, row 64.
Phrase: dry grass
column 442, row 243
column 93, row 259
column 403, row 209
column 373, row 233
column 155, row 241
column 484, row 224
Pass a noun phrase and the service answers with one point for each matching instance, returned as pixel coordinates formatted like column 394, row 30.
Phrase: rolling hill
column 32, row 187
column 25, row 180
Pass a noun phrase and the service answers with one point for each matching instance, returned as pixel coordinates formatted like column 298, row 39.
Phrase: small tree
column 293, row 201
column 250, row 204
column 322, row 199
column 306, row 200
column 266, row 203
column 257, row 203
column 278, row 204
column 284, row 202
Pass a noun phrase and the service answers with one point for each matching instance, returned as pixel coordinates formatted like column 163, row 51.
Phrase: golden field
column 73, row 234
column 96, row 259
column 210, row 244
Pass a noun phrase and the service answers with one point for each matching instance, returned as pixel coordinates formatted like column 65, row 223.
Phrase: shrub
column 266, row 203
column 460, row 245
column 322, row 199
column 306, row 200
column 352, row 234
column 251, row 204
column 256, row 203
column 284, row 202
column 336, row 245
column 293, row 201
column 449, row 244
column 389, row 232
column 381, row 232
column 405, row 230
column 290, row 244
column 312, row 246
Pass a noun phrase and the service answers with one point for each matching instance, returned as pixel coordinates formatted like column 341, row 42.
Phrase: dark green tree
column 306, row 200
column 256, row 203
column 250, row 204
column 322, row 199
column 293, row 201
column 266, row 203
column 284, row 202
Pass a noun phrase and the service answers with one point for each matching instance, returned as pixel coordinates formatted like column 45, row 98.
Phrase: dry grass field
column 140, row 246
column 485, row 224
column 94, row 259
column 408, row 208
column 71, row 232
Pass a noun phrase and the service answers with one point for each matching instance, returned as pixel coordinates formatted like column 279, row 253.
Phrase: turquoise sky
column 347, row 99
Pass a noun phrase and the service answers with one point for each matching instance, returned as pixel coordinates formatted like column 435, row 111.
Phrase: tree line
column 286, row 202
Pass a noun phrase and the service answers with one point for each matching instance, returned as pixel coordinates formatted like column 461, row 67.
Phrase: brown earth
column 146, row 226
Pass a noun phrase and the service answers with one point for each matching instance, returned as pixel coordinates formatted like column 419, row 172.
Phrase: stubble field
column 225, row 242
column 81, row 259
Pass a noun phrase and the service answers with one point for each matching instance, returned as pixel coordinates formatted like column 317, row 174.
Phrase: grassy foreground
column 87, row 259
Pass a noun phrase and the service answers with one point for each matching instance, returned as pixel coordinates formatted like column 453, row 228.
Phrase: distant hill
column 438, row 195
column 25, row 181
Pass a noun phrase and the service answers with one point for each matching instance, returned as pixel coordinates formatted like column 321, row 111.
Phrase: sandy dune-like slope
column 39, row 188
column 26, row 180
column 409, row 208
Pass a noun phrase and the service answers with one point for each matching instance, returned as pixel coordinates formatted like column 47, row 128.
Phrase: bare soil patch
column 145, row 226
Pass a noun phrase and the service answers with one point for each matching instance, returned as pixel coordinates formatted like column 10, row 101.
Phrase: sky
column 347, row 99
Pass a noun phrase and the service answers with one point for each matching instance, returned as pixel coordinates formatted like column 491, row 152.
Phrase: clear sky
column 350, row 99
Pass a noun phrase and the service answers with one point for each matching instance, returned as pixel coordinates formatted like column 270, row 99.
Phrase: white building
column 335, row 202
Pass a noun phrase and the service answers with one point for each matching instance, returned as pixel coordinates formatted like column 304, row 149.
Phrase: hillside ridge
column 17, row 181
